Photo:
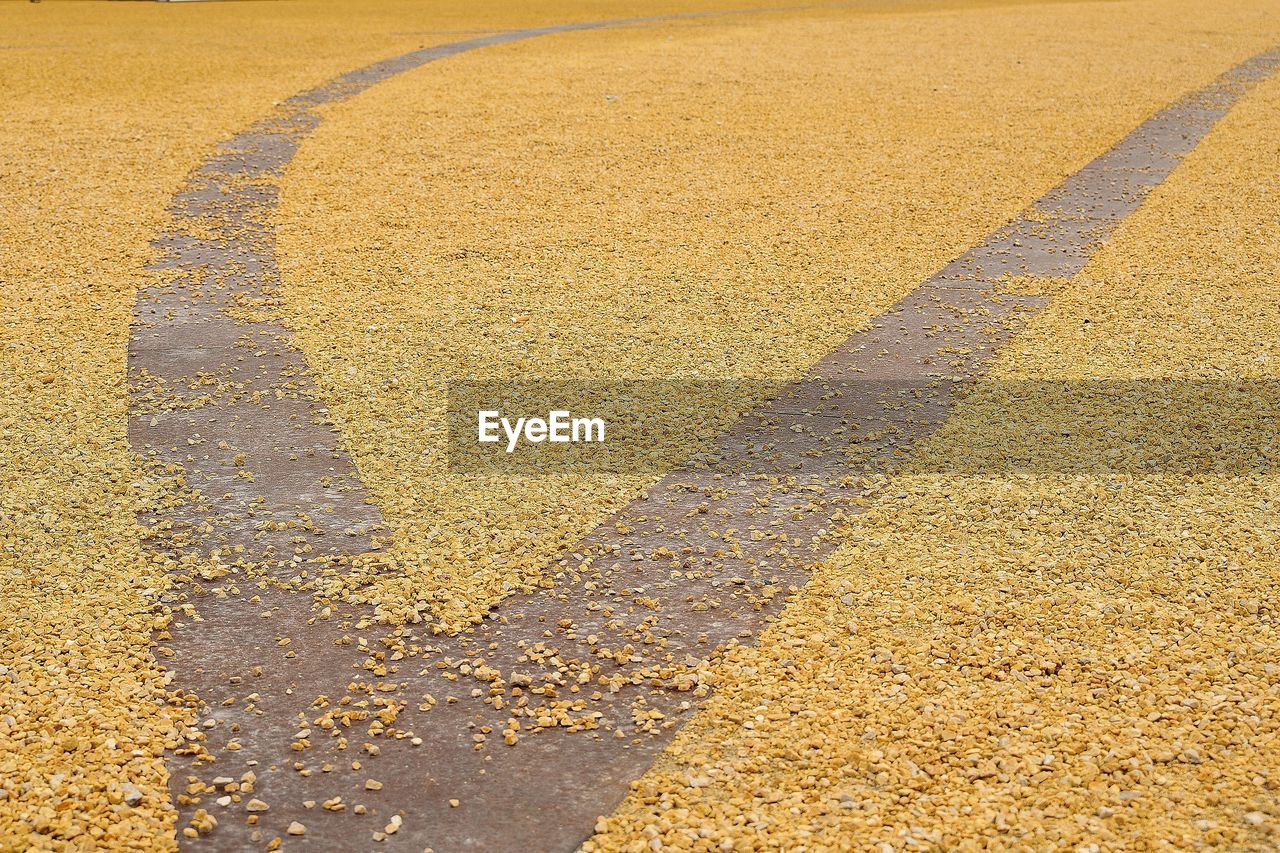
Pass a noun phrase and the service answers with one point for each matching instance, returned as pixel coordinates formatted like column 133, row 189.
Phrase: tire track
column 307, row 699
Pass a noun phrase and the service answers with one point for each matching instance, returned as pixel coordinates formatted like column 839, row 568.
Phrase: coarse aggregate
column 671, row 209
column 107, row 107
column 733, row 210
column 1068, row 642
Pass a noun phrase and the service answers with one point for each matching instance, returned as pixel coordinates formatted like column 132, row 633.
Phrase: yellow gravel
column 704, row 199
column 779, row 179
column 107, row 107
column 1037, row 660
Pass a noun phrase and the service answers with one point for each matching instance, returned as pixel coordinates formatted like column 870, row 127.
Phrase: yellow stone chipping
column 671, row 208
column 1011, row 649
column 1024, row 651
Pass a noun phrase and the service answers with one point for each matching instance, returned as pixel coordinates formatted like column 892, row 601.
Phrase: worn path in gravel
column 592, row 675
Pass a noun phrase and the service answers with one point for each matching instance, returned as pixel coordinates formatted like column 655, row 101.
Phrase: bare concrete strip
column 598, row 670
